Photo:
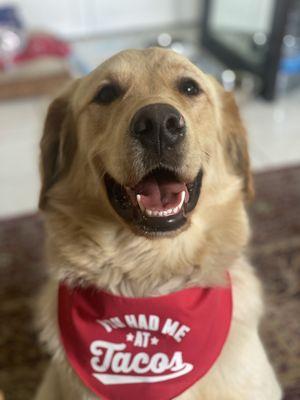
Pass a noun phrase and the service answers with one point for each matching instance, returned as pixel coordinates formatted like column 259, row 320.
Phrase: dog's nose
column 158, row 127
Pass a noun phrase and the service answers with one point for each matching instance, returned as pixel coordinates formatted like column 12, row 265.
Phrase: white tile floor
column 274, row 141
column 274, row 131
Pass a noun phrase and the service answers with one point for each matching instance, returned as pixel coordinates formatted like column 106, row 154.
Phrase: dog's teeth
column 164, row 213
column 182, row 199
column 139, row 200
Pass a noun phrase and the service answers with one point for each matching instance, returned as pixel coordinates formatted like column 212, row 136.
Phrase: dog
column 145, row 179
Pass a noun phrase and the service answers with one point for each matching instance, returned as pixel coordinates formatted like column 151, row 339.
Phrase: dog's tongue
column 160, row 191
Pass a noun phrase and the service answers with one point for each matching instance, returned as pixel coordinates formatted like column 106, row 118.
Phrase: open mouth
column 160, row 202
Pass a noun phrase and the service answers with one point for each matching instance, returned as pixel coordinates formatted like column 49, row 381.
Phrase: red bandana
column 150, row 348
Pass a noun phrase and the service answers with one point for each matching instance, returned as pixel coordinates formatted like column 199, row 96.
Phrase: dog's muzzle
column 161, row 201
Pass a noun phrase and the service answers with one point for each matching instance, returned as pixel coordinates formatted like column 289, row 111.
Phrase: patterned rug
column 275, row 251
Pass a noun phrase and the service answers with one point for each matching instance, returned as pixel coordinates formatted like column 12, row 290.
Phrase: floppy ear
column 58, row 144
column 234, row 140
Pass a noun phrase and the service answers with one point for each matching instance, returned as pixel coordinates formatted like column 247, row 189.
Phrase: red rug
column 275, row 251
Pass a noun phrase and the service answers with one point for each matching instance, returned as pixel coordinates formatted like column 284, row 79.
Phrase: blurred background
column 253, row 49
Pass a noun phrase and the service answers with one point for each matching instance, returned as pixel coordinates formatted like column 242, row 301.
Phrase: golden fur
column 88, row 242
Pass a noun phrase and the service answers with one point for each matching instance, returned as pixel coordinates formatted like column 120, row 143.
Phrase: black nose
column 158, row 127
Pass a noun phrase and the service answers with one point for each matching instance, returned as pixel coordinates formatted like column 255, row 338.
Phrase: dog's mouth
column 159, row 203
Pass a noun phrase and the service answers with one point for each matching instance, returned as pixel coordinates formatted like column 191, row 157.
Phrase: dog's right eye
column 107, row 94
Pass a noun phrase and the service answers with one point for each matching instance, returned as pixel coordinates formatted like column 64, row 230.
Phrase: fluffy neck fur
column 109, row 256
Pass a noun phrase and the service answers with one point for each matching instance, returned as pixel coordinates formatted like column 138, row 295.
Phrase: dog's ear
column 234, row 140
column 58, row 143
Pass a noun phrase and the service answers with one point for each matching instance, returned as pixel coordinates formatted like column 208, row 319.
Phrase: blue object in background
column 12, row 35
column 290, row 65
column 9, row 17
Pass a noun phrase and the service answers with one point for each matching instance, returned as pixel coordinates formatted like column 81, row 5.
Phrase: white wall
column 79, row 17
column 243, row 15
column 83, row 17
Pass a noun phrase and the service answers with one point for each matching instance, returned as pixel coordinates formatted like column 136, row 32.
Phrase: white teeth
column 182, row 199
column 165, row 213
column 139, row 200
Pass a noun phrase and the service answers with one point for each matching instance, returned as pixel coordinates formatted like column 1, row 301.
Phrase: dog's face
column 136, row 139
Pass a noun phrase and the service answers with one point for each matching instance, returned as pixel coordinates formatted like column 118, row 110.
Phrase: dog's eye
column 189, row 87
column 107, row 94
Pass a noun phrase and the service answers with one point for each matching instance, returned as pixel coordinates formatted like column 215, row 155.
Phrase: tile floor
column 274, row 141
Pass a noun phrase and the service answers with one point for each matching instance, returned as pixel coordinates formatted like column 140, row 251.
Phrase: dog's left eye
column 107, row 94
column 189, row 87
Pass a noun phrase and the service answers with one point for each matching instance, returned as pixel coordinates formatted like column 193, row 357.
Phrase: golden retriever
column 145, row 175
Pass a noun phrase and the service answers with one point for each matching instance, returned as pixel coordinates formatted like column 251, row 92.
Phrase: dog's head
column 140, row 140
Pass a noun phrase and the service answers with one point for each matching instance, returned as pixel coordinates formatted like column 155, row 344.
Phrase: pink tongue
column 160, row 193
